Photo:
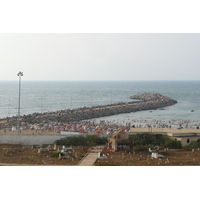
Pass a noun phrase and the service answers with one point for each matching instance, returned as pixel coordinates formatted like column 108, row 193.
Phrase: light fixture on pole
column 18, row 124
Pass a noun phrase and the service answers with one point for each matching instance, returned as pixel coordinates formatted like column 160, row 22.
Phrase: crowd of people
column 85, row 127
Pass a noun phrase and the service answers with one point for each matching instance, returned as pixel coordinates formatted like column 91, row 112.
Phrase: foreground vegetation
column 141, row 141
column 89, row 140
column 192, row 145
column 145, row 140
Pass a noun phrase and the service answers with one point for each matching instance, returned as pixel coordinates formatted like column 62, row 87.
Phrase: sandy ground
column 134, row 130
column 17, row 155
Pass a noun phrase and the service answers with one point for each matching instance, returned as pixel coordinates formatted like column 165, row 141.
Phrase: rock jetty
column 152, row 101
column 147, row 101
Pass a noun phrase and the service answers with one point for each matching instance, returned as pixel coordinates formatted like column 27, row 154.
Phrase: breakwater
column 145, row 101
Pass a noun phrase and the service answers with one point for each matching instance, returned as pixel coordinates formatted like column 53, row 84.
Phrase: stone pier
column 145, row 101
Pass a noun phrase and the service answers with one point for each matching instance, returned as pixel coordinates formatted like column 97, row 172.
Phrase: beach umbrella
column 81, row 129
column 98, row 131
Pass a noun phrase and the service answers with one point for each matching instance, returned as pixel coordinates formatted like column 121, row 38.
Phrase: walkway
column 91, row 158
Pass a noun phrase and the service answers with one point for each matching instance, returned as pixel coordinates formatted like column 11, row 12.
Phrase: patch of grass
column 57, row 154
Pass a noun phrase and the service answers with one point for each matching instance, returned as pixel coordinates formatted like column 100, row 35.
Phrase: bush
column 192, row 145
column 155, row 139
column 74, row 140
column 57, row 154
column 195, row 144
column 148, row 139
column 172, row 143
column 95, row 140
column 142, row 148
column 188, row 148
column 90, row 140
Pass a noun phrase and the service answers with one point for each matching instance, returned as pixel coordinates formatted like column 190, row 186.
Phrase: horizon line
column 100, row 80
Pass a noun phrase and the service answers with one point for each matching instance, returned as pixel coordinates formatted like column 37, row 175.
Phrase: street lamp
column 19, row 74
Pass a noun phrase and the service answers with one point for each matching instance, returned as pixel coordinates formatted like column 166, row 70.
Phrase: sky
column 100, row 56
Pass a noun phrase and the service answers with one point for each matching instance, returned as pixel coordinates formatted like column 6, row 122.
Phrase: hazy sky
column 82, row 56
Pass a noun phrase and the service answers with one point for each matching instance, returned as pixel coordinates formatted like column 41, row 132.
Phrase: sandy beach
column 28, row 132
column 104, row 131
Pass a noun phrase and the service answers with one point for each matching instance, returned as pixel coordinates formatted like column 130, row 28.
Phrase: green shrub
column 142, row 148
column 56, row 154
column 90, row 140
column 155, row 139
column 195, row 144
column 192, row 145
column 148, row 139
column 188, row 148
column 172, row 143
column 95, row 140
column 74, row 140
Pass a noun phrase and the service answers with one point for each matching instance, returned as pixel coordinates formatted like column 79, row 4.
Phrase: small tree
column 89, row 140
column 172, row 143
column 192, row 145
column 155, row 139
column 148, row 139
column 187, row 148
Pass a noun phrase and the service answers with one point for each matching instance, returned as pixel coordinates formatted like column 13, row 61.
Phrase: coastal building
column 185, row 136
column 120, row 140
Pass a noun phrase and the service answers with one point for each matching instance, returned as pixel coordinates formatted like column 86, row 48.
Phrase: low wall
column 29, row 139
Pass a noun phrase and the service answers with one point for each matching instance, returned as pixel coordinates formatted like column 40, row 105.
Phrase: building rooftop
column 164, row 130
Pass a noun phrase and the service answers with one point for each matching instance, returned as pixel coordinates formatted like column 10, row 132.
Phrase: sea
column 47, row 96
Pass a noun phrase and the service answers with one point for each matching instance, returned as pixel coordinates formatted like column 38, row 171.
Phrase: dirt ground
column 171, row 158
column 17, row 155
column 28, row 155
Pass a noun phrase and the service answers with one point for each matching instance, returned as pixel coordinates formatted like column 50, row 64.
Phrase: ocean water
column 46, row 96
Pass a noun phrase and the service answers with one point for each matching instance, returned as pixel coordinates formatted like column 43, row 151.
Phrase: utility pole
column 18, row 123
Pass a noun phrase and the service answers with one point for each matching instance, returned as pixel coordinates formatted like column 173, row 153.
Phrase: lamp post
column 19, row 74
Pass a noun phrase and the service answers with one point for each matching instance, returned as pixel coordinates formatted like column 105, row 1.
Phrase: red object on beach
column 108, row 150
column 94, row 150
